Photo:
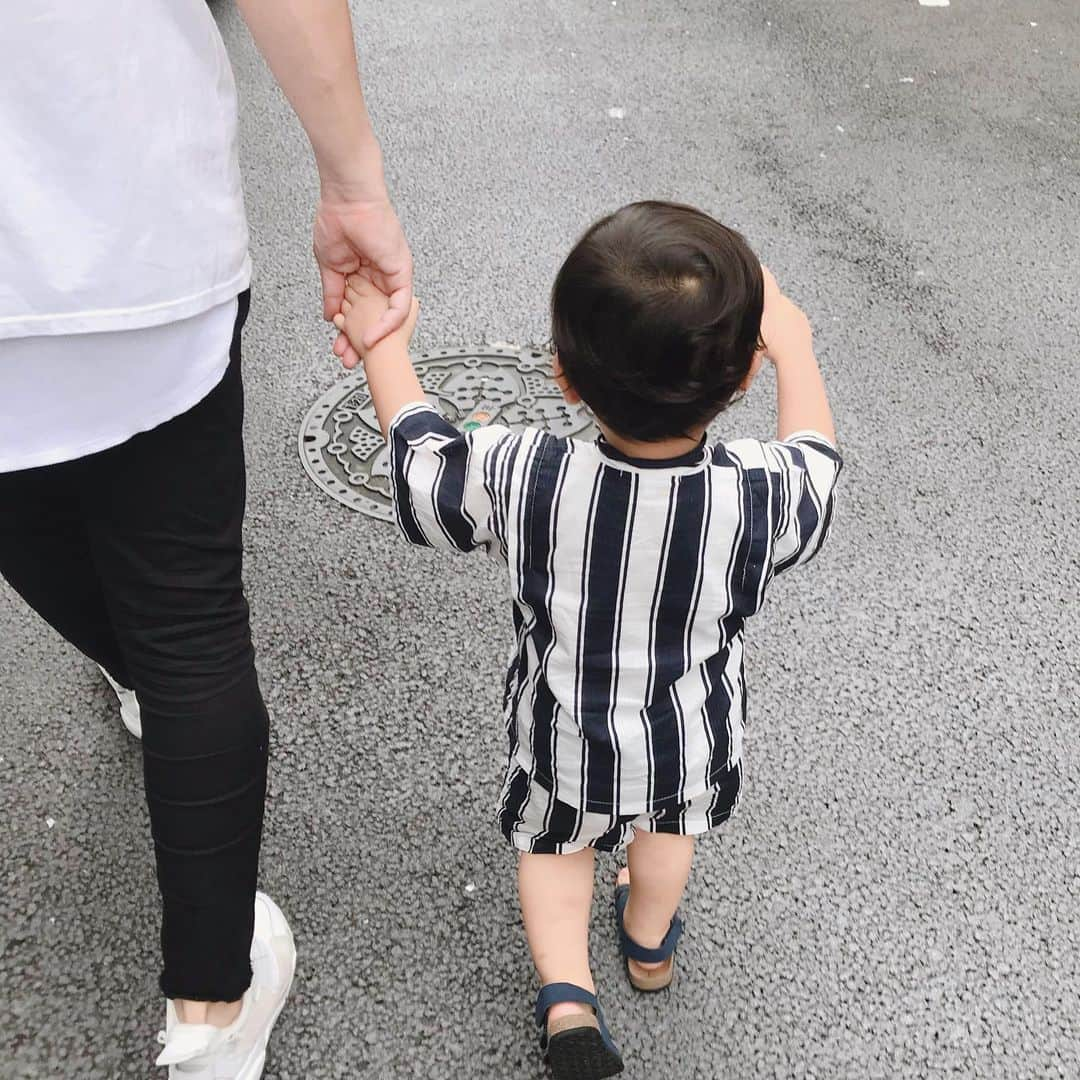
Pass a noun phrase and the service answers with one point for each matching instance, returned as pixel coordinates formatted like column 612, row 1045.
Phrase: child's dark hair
column 656, row 315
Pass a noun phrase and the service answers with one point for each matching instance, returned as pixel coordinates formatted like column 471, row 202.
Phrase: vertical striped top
column 631, row 582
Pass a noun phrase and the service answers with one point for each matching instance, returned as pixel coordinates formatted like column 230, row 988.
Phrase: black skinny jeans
column 134, row 555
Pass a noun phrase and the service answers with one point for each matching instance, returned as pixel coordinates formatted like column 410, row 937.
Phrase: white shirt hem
column 165, row 409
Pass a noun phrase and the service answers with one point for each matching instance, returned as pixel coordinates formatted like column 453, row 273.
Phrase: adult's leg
column 164, row 513
column 45, row 557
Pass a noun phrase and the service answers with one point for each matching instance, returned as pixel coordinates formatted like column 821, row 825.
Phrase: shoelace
column 163, row 1038
column 229, row 1044
column 224, row 1049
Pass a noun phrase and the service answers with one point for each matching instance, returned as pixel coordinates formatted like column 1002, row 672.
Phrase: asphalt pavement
column 899, row 893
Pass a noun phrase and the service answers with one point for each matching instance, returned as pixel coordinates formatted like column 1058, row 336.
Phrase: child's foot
column 563, row 1010
column 647, row 976
column 636, row 967
column 576, row 1043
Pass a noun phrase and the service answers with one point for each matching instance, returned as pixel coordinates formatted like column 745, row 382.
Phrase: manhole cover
column 343, row 450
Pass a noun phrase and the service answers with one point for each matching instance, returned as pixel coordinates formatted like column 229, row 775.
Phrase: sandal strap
column 555, row 994
column 631, row 950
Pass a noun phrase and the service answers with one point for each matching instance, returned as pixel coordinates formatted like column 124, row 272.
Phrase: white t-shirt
column 63, row 397
column 121, row 209
column 120, row 196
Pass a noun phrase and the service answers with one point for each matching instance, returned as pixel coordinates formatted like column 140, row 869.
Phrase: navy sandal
column 577, row 1047
column 648, row 982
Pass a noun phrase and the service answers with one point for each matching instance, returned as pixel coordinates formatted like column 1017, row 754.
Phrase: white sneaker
column 238, row 1052
column 129, row 705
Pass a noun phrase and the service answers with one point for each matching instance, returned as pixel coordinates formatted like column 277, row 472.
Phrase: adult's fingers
column 333, row 289
column 393, row 318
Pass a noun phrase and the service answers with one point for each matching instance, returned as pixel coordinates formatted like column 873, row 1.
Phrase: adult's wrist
column 355, row 176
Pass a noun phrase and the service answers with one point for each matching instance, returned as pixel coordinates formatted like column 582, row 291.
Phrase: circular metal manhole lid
column 343, row 450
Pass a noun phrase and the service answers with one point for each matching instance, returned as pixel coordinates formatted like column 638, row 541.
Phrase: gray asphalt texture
column 899, row 894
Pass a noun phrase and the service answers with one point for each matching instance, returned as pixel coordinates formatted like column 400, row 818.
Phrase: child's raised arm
column 390, row 375
column 801, row 401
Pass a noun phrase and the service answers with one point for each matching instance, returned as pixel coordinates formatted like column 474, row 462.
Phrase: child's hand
column 785, row 329
column 363, row 306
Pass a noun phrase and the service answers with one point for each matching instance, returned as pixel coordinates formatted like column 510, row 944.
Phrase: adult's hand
column 309, row 47
column 355, row 234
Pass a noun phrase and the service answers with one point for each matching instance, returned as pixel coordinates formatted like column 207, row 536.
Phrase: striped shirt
column 631, row 582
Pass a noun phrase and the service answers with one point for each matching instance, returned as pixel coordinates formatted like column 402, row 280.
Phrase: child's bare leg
column 556, row 900
column 659, row 868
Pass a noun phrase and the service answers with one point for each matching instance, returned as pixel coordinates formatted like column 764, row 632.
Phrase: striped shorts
column 533, row 820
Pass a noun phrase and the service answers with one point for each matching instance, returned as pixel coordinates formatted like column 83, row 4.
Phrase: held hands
column 391, row 379
column 785, row 329
column 364, row 311
column 351, row 235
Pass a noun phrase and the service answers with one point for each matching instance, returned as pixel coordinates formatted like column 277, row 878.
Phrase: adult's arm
column 309, row 47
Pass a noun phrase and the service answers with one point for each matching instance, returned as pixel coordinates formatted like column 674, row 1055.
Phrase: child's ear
column 570, row 395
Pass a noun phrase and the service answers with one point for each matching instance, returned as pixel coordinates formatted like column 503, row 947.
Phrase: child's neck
column 665, row 448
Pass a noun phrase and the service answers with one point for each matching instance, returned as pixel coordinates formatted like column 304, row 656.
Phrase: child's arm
column 444, row 494
column 801, row 467
column 390, row 375
column 801, row 401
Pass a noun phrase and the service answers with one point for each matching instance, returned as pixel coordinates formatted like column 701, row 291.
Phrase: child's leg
column 556, row 900
column 657, row 875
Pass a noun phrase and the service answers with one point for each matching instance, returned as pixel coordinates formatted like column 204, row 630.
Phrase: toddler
column 633, row 563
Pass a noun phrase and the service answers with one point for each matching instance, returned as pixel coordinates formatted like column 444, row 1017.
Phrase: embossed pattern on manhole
column 343, row 450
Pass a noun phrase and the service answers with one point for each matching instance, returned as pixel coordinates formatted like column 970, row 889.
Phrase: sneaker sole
column 133, row 723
